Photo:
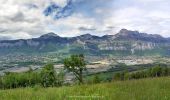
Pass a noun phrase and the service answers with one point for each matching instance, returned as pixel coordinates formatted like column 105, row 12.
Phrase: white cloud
column 17, row 20
column 150, row 16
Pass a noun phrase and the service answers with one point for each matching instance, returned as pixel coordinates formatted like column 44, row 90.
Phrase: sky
column 23, row 19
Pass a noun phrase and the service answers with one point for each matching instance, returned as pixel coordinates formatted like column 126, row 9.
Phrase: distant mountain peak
column 48, row 35
column 86, row 35
column 125, row 32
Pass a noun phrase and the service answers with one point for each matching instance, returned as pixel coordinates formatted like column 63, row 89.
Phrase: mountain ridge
column 122, row 32
column 125, row 42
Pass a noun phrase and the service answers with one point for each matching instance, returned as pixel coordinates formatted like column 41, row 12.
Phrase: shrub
column 96, row 79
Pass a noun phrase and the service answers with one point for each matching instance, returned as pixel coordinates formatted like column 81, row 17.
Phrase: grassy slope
column 144, row 89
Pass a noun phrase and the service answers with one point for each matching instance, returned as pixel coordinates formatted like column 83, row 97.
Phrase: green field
column 144, row 89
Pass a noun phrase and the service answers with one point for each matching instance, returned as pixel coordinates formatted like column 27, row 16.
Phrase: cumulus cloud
column 26, row 18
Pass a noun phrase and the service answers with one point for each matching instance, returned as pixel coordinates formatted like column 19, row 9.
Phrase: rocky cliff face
column 125, row 34
column 126, row 46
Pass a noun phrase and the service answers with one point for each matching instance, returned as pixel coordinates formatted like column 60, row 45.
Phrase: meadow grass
column 143, row 89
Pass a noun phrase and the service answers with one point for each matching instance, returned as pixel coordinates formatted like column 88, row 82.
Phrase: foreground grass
column 144, row 89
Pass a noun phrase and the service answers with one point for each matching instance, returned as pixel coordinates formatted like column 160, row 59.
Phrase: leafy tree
column 60, row 78
column 1, row 84
column 9, row 80
column 96, row 79
column 164, row 71
column 127, row 76
column 76, row 64
column 156, row 71
column 48, row 76
column 116, row 76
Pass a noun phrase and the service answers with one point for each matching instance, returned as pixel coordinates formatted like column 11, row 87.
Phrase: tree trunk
column 81, row 76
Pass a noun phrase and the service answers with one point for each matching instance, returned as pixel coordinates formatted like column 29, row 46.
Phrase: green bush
column 46, row 78
column 156, row 71
column 96, row 79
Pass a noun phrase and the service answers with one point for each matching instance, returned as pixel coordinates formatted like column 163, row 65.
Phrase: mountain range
column 124, row 43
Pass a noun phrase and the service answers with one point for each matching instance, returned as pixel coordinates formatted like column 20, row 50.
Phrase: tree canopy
column 76, row 64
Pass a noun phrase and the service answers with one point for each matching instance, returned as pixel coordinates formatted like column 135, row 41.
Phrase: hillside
column 150, row 89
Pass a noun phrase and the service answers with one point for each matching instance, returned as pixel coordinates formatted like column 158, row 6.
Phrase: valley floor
column 144, row 89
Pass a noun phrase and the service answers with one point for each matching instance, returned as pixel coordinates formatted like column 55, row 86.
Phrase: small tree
column 96, row 79
column 117, row 76
column 76, row 64
column 156, row 71
column 48, row 76
column 60, row 78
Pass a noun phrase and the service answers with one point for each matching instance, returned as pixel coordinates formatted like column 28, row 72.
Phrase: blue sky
column 32, row 18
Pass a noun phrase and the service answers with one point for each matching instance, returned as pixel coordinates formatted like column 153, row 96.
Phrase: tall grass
column 144, row 89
